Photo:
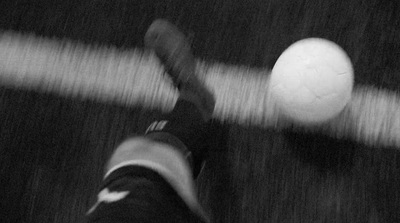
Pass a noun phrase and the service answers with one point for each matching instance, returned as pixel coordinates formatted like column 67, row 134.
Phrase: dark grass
column 53, row 149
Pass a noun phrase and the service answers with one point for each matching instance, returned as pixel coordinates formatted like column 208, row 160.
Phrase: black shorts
column 139, row 194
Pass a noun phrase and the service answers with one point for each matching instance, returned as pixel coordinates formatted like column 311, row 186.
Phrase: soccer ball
column 312, row 81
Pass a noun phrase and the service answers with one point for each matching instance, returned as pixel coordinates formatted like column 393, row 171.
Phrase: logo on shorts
column 156, row 126
column 108, row 197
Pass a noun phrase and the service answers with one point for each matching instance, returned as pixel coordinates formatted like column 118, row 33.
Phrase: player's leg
column 150, row 178
column 147, row 181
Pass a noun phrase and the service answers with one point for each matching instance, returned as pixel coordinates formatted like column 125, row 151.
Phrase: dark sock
column 185, row 130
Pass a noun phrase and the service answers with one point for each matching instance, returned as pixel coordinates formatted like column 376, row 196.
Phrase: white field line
column 135, row 77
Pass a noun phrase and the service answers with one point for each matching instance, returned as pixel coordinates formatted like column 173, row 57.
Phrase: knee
column 144, row 149
column 130, row 149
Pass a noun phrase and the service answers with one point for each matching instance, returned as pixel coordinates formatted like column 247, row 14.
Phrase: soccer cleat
column 188, row 127
column 174, row 51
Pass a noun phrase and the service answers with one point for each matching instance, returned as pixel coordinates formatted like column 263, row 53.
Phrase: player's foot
column 190, row 119
column 173, row 49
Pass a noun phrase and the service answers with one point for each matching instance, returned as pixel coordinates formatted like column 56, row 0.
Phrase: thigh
column 139, row 194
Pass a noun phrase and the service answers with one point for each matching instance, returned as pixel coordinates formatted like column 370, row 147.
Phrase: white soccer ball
column 312, row 81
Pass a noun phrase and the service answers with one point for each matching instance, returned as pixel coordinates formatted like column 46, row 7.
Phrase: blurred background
column 53, row 148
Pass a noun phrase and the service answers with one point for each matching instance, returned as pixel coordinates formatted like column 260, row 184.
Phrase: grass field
column 53, row 147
